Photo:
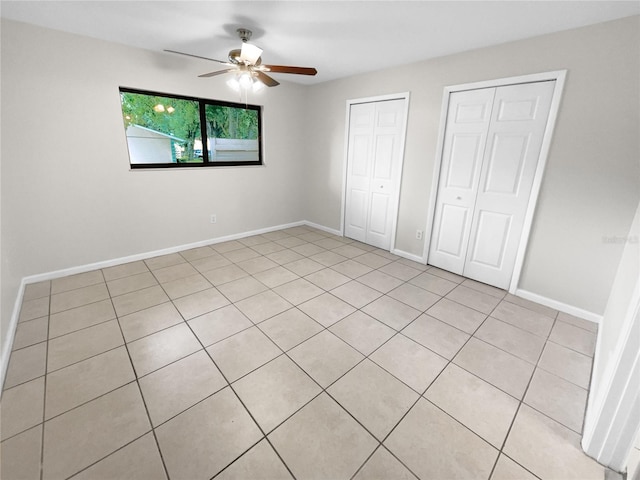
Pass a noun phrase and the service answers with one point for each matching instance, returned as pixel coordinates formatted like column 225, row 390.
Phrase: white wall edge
column 408, row 256
column 557, row 305
column 613, row 413
column 11, row 333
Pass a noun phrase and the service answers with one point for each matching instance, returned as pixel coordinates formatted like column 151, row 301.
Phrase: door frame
column 559, row 76
column 394, row 213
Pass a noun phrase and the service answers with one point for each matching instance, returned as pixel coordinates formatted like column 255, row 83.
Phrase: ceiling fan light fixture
column 233, row 84
column 247, row 68
column 250, row 53
column 257, row 85
column 245, row 80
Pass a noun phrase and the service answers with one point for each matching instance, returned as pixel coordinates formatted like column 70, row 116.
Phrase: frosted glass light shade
column 250, row 53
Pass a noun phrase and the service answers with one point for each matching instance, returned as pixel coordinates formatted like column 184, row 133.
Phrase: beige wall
column 591, row 185
column 68, row 196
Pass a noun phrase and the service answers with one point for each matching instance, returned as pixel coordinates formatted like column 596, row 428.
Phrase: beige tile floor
column 292, row 354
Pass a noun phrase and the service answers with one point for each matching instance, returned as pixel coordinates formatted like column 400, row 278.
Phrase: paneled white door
column 464, row 146
column 486, row 178
column 374, row 166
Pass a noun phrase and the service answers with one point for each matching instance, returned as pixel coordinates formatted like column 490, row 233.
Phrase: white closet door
column 464, row 145
column 361, row 120
column 518, row 122
column 490, row 155
column 373, row 170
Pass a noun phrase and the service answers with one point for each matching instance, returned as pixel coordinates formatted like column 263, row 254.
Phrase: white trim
column 613, row 411
column 11, row 333
column 155, row 253
column 537, row 180
column 501, row 82
column 143, row 256
column 408, row 256
column 378, row 98
column 345, row 166
column 333, row 231
column 435, row 180
column 382, row 98
column 559, row 77
column 560, row 306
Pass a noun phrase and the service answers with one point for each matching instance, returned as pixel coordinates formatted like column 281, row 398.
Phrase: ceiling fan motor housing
column 244, row 34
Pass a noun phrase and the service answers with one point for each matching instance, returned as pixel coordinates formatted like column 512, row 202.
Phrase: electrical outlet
column 418, row 234
column 214, row 219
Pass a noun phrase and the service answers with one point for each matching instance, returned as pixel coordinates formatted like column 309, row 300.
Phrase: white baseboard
column 323, row 228
column 41, row 277
column 11, row 333
column 143, row 256
column 560, row 306
column 409, row 256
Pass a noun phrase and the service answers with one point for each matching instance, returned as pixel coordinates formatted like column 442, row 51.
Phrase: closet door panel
column 463, row 150
column 519, row 119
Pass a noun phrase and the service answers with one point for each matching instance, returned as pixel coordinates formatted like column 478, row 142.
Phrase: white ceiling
column 339, row 38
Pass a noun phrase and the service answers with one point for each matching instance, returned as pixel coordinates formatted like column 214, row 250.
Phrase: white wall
column 68, row 196
column 591, row 185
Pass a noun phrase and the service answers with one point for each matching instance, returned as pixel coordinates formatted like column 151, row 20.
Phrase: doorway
column 376, row 130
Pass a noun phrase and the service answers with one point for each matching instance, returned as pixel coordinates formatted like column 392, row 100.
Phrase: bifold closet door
column 464, row 145
column 373, row 168
column 486, row 178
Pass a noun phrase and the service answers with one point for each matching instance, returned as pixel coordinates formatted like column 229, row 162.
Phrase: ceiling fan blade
column 218, row 72
column 287, row 69
column 198, row 56
column 266, row 79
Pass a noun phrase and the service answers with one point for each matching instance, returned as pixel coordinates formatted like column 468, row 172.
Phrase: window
column 177, row 131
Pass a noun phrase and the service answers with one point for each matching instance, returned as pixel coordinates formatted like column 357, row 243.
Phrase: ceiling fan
column 246, row 63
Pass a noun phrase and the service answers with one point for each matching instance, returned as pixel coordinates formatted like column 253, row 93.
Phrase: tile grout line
column 83, row 469
column 365, row 357
column 111, row 349
column 323, row 389
column 285, row 353
column 521, row 402
column 504, row 441
column 263, row 437
column 361, row 361
column 137, row 381
column 44, row 393
column 421, row 396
